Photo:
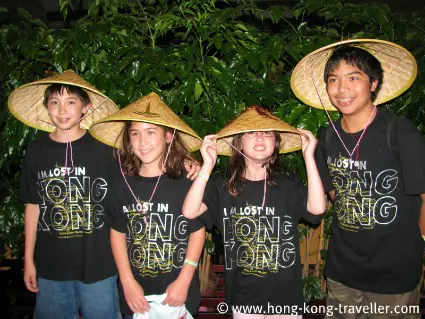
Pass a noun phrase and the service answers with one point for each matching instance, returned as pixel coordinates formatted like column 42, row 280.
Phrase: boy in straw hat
column 256, row 208
column 64, row 182
column 373, row 166
column 155, row 248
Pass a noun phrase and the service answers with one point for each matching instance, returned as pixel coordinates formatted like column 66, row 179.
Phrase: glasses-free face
column 148, row 142
column 65, row 110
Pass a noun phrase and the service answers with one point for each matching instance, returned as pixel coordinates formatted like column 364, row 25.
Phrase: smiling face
column 349, row 89
column 258, row 146
column 65, row 110
column 148, row 142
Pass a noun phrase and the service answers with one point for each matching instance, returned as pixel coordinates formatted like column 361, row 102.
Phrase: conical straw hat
column 26, row 102
column 150, row 109
column 398, row 64
column 256, row 118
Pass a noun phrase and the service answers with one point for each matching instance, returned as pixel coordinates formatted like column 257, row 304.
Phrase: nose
column 62, row 108
column 343, row 85
column 259, row 135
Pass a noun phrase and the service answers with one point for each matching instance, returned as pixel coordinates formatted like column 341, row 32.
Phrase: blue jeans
column 63, row 299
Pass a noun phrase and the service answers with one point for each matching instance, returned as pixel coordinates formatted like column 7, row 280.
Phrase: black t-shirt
column 72, row 237
column 375, row 242
column 261, row 245
column 157, row 252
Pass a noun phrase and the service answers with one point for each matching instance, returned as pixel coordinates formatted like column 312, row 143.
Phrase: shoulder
column 90, row 140
column 39, row 143
column 218, row 179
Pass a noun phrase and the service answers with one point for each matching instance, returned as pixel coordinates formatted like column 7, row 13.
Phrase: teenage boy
column 64, row 183
column 373, row 166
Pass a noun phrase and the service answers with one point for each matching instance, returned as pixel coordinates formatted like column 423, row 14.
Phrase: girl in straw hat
column 64, row 180
column 372, row 165
column 257, row 209
column 156, row 249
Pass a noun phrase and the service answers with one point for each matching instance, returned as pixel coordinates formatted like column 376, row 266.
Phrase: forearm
column 32, row 213
column 119, row 250
column 316, row 200
column 422, row 216
column 194, row 251
column 192, row 206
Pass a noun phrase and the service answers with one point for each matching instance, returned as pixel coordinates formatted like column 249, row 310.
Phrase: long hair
column 236, row 167
column 174, row 166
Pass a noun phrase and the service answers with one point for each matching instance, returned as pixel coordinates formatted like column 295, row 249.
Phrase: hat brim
column 398, row 64
column 26, row 102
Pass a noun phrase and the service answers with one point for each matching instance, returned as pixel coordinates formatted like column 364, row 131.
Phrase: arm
column 177, row 290
column 32, row 213
column 316, row 199
column 422, row 216
column 193, row 206
column 134, row 294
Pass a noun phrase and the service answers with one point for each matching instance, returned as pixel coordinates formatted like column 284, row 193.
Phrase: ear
column 86, row 108
column 373, row 86
column 168, row 137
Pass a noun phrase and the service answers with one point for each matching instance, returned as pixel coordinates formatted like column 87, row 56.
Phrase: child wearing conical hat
column 256, row 208
column 372, row 164
column 64, row 185
column 155, row 247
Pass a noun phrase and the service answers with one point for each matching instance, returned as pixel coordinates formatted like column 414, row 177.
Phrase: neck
column 254, row 171
column 64, row 136
column 150, row 170
column 353, row 123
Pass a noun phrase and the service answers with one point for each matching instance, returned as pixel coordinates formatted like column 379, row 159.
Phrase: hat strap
column 263, row 165
column 157, row 182
column 332, row 123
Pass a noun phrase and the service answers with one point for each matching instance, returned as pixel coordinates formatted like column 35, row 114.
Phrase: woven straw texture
column 256, row 118
column 26, row 102
column 150, row 109
column 399, row 65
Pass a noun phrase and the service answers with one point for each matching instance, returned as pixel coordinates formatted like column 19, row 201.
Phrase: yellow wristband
column 191, row 262
column 204, row 175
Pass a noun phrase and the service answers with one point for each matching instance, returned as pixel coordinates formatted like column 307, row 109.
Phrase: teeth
column 345, row 100
column 259, row 148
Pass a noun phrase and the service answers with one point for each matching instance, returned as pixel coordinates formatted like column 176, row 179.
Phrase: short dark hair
column 360, row 58
column 59, row 88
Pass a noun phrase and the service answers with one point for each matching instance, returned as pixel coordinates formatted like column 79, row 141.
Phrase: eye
column 151, row 132
column 332, row 80
column 268, row 134
column 134, row 133
column 250, row 133
column 353, row 78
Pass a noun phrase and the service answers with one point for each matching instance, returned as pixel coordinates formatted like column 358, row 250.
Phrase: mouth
column 144, row 152
column 259, row 148
column 63, row 119
column 345, row 101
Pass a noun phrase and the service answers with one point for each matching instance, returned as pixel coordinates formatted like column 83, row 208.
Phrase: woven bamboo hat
column 398, row 64
column 150, row 109
column 256, row 118
column 26, row 102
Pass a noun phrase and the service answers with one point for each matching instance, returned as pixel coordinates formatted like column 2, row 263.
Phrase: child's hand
column 135, row 297
column 192, row 168
column 176, row 293
column 309, row 143
column 30, row 276
column 209, row 152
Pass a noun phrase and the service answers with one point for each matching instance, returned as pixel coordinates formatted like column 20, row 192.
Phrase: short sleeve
column 114, row 216
column 322, row 166
column 28, row 193
column 193, row 225
column 409, row 146
column 212, row 201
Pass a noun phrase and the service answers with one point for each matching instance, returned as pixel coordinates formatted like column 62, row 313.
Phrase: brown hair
column 59, row 89
column 174, row 166
column 236, row 167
